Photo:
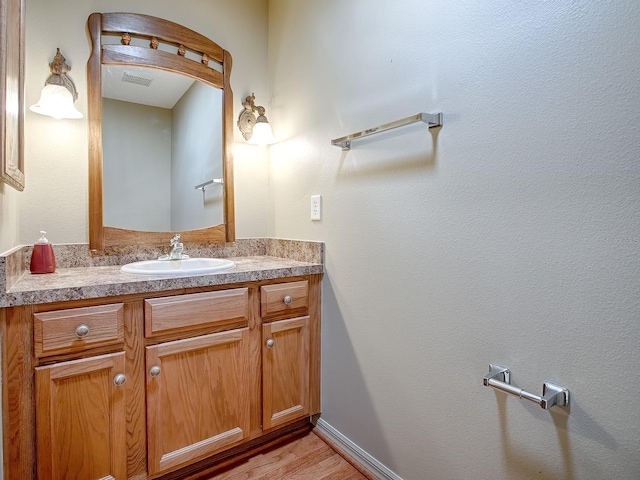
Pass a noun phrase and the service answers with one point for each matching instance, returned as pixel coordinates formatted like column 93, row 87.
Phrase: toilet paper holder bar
column 500, row 378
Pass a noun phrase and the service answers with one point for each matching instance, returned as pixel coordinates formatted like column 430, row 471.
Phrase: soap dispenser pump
column 42, row 258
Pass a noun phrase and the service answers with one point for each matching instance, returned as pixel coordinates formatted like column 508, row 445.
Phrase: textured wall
column 8, row 217
column 511, row 237
column 56, row 162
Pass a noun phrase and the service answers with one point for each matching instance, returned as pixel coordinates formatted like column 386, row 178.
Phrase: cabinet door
column 81, row 419
column 285, row 371
column 197, row 397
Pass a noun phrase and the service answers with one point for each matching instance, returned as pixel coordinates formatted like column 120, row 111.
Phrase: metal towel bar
column 500, row 378
column 213, row 181
column 431, row 119
column 210, row 182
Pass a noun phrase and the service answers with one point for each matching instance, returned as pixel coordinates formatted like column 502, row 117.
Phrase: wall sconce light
column 59, row 92
column 255, row 131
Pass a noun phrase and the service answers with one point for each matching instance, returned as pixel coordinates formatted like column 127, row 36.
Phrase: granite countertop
column 96, row 281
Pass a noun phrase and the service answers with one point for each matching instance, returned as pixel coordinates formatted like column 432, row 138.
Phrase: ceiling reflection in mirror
column 162, row 137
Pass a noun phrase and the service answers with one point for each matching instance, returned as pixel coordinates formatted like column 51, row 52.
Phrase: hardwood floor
column 305, row 458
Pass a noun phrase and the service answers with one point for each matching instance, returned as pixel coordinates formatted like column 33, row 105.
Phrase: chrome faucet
column 176, row 248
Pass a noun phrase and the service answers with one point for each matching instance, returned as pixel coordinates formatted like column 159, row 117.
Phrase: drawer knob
column 120, row 379
column 288, row 299
column 154, row 371
column 82, row 331
column 270, row 343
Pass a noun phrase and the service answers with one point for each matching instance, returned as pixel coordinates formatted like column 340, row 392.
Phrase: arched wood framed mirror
column 200, row 150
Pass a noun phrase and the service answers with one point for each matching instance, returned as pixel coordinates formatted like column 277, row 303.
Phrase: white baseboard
column 367, row 461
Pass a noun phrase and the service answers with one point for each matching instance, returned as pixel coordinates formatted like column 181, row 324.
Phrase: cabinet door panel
column 198, row 400
column 81, row 420
column 285, row 365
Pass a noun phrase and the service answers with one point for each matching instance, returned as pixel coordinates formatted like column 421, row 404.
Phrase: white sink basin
column 188, row 266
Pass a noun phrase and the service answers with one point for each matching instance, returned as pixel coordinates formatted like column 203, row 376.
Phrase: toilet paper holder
column 500, row 378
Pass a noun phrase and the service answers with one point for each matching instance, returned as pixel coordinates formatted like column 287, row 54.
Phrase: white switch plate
column 316, row 207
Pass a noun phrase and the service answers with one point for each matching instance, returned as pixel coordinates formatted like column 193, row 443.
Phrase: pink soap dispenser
column 42, row 258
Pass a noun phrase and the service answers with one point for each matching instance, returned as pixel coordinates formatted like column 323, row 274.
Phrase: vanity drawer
column 77, row 329
column 196, row 311
column 284, row 300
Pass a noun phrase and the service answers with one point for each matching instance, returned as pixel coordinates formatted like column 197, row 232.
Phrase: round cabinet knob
column 270, row 343
column 288, row 299
column 82, row 331
column 154, row 371
column 120, row 379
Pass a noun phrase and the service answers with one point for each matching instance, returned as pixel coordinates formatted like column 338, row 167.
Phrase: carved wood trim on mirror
column 155, row 31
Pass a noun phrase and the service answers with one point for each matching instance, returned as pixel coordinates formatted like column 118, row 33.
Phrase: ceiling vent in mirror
column 137, row 80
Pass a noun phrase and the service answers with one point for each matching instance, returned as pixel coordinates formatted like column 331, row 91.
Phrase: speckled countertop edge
column 86, row 282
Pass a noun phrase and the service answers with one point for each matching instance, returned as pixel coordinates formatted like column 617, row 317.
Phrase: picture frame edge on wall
column 12, row 60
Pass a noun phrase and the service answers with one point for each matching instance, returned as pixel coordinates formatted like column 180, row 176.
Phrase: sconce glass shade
column 56, row 101
column 262, row 134
column 59, row 92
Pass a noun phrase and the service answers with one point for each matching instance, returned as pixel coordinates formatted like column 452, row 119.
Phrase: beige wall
column 8, row 217
column 512, row 238
column 55, row 199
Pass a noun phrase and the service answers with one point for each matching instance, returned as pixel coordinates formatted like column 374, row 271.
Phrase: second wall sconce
column 59, row 93
column 256, row 131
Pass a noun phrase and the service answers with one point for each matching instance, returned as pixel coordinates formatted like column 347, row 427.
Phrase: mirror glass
column 160, row 132
column 161, row 139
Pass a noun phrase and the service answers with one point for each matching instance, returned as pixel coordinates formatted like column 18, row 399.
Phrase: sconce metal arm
column 247, row 118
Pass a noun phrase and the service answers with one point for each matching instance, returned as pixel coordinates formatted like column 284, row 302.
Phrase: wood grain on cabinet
column 284, row 300
column 255, row 363
column 81, row 421
column 196, row 310
column 285, row 371
column 266, row 409
column 56, row 332
column 135, row 391
column 220, row 462
column 18, row 422
column 198, row 400
column 315, row 308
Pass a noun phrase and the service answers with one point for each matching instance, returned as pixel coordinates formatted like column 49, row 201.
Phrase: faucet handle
column 175, row 240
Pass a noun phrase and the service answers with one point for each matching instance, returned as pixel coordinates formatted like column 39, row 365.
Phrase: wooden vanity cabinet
column 285, row 371
column 160, row 386
column 197, row 398
column 286, row 361
column 80, row 403
column 80, row 419
column 197, row 388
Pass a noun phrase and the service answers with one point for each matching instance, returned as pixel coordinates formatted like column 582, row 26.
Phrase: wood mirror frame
column 155, row 30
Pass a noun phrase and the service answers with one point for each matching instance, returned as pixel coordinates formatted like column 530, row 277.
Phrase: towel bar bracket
column 498, row 373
